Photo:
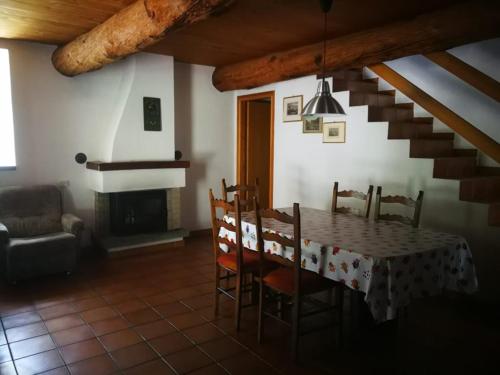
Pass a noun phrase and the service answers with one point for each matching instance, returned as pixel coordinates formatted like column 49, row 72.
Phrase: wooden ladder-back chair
column 367, row 198
column 245, row 192
column 238, row 261
column 398, row 199
column 290, row 280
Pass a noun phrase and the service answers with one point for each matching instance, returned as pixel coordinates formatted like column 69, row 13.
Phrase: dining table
column 389, row 262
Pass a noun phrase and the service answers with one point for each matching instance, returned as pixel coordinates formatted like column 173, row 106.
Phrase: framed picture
column 334, row 132
column 292, row 108
column 312, row 126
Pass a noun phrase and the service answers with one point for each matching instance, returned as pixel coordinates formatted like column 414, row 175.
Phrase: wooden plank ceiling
column 250, row 29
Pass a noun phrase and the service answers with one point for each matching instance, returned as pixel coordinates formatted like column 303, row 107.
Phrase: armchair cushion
column 4, row 235
column 72, row 224
column 31, row 211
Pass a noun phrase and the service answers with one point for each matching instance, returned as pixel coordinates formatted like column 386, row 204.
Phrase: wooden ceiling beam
column 450, row 27
column 131, row 30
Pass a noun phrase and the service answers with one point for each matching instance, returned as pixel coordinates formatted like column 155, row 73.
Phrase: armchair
column 36, row 238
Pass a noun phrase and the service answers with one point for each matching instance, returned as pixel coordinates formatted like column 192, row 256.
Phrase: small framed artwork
column 334, row 132
column 312, row 126
column 292, row 108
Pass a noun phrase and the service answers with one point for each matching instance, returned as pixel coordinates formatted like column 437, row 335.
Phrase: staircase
column 477, row 184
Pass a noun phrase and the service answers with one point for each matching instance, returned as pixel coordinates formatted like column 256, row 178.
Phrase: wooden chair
column 289, row 280
column 238, row 262
column 245, row 192
column 367, row 198
column 398, row 199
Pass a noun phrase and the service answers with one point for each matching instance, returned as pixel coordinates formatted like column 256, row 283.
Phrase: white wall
column 205, row 134
column 305, row 169
column 98, row 113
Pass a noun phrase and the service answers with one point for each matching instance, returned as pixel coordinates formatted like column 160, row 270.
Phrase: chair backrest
column 294, row 242
column 245, row 192
column 398, row 199
column 31, row 211
column 234, row 230
column 367, row 198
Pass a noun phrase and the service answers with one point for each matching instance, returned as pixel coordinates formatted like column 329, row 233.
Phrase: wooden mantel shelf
column 130, row 165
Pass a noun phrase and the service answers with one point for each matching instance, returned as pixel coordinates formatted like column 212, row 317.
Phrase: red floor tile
column 210, row 370
column 26, row 332
column 89, row 304
column 103, row 327
column 157, row 367
column 121, row 339
column 130, row 306
column 57, row 371
column 100, row 365
column 159, row 299
column 72, row 335
column 188, row 360
column 155, row 329
column 82, row 350
column 20, row 319
column 183, row 321
column 203, row 333
column 100, row 313
column 39, row 363
column 133, row 355
column 31, row 346
column 222, row 348
column 65, row 322
column 142, row 316
column 5, row 354
column 56, row 311
column 171, row 309
column 171, row 343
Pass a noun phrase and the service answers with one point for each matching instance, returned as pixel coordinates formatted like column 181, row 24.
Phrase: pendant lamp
column 323, row 104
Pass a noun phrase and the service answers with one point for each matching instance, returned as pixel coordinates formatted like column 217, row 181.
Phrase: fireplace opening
column 138, row 212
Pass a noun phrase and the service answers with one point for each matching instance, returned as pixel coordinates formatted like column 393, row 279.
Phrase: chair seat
column 250, row 260
column 281, row 280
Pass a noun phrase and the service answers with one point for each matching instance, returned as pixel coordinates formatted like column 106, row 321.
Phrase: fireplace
column 138, row 212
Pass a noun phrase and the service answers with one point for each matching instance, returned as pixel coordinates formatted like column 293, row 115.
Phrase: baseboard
column 142, row 250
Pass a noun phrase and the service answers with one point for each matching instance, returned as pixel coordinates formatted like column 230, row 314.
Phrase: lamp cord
column 324, row 45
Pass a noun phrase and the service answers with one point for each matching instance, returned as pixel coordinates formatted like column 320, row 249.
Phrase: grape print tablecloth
column 390, row 262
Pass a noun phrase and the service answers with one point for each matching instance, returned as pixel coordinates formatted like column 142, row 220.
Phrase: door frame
column 241, row 132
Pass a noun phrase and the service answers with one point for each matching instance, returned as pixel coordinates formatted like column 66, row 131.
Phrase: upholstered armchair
column 36, row 238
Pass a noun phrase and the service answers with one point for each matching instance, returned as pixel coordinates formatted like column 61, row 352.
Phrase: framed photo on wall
column 292, row 108
column 334, row 132
column 312, row 126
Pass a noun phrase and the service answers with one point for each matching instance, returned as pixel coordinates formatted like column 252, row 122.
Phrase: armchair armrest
column 72, row 224
column 4, row 235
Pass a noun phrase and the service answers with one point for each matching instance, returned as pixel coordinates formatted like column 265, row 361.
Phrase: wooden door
column 255, row 143
column 258, row 146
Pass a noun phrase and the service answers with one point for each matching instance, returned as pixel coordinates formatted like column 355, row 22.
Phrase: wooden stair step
column 347, row 74
column 354, row 85
column 388, row 92
column 494, row 214
column 439, row 136
column 390, row 113
column 370, row 98
column 488, row 171
column 424, row 120
column 465, row 152
column 483, row 189
column 407, row 130
column 455, row 168
column 374, row 80
column 431, row 148
column 405, row 105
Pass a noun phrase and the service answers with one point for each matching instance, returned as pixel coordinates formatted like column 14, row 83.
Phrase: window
column 7, row 148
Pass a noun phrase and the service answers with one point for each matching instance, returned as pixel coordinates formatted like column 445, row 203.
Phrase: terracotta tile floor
column 152, row 314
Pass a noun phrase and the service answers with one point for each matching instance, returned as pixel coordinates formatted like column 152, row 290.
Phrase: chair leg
column 340, row 311
column 260, row 323
column 295, row 328
column 216, row 291
column 255, row 290
column 239, row 281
